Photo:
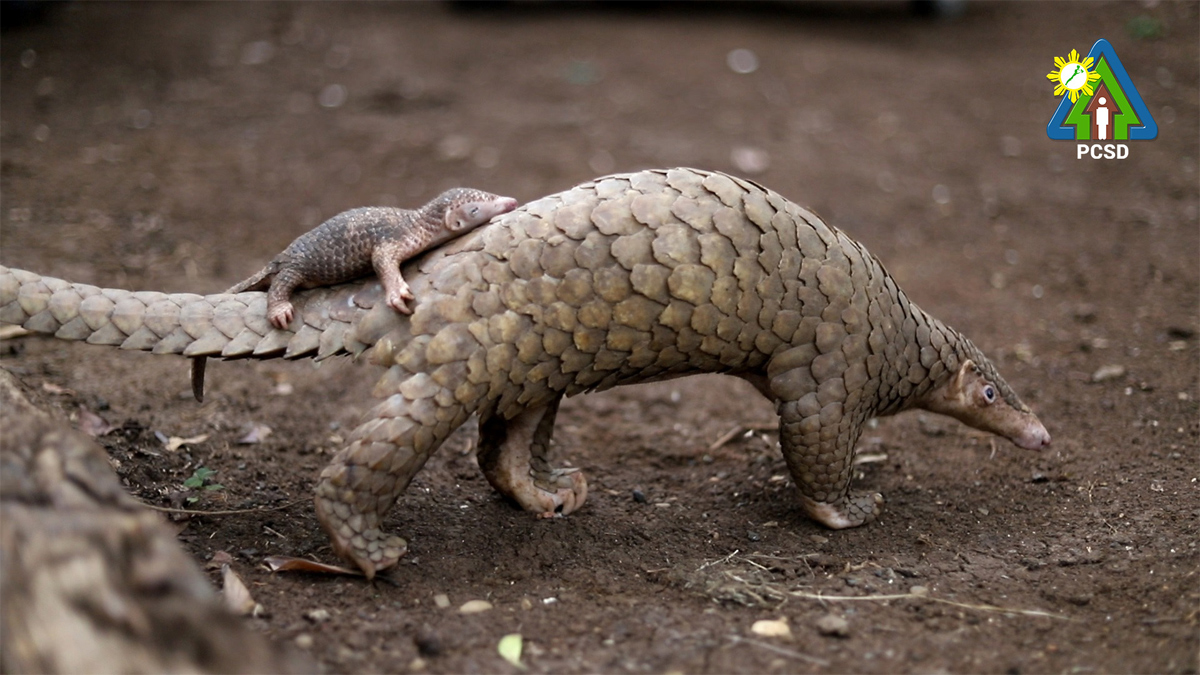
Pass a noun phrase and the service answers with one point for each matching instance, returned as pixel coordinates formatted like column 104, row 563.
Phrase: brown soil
column 177, row 147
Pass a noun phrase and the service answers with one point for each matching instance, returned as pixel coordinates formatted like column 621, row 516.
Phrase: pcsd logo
column 1100, row 108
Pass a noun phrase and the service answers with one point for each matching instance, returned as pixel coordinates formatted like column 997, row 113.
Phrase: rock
column 317, row 615
column 771, row 628
column 441, row 600
column 1109, row 372
column 832, row 625
column 1085, row 312
column 474, row 607
column 428, row 643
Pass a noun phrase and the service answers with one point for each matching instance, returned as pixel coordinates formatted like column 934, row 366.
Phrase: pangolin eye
column 989, row 392
column 474, row 211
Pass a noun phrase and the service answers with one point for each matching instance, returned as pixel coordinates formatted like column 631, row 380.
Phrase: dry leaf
column 510, row 648
column 92, row 424
column 219, row 560
column 50, row 388
column 283, row 563
column 256, row 433
column 237, row 596
column 175, row 442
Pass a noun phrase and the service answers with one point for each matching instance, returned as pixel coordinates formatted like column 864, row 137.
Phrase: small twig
column 870, row 458
column 914, row 596
column 782, row 651
column 231, row 512
column 761, row 567
column 718, row 562
column 785, row 558
column 741, row 428
column 725, row 437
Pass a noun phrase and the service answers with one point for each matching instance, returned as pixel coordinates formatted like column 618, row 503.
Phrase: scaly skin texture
column 352, row 243
column 620, row 280
column 355, row 242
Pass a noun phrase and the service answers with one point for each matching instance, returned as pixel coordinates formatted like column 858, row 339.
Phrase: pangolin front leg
column 817, row 433
column 386, row 259
column 514, row 457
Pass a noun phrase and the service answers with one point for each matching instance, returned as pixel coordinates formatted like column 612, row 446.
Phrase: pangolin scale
column 624, row 279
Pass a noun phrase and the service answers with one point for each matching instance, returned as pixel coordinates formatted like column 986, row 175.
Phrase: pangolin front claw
column 850, row 510
column 369, row 548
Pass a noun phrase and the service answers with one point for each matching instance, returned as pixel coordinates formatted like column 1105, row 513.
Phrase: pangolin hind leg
column 385, row 451
column 514, row 457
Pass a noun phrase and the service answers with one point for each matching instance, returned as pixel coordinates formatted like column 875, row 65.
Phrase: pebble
column 1085, row 312
column 771, row 628
column 639, row 496
column 428, row 643
column 1109, row 372
column 474, row 607
column 317, row 615
column 919, row 591
column 833, row 625
column 304, row 641
column 441, row 600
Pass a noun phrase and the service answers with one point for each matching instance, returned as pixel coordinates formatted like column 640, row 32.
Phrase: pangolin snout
column 1035, row 437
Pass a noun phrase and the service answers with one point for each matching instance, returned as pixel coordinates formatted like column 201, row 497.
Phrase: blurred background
column 250, row 123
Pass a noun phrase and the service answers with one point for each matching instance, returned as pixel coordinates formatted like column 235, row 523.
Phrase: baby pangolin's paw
column 397, row 298
column 281, row 315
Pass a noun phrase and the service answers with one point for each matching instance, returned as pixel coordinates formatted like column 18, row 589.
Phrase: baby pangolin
column 355, row 242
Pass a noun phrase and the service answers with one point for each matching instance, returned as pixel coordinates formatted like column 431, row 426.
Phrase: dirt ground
column 177, row 147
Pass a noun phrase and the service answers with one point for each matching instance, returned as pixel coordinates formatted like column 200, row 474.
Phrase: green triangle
column 1121, row 122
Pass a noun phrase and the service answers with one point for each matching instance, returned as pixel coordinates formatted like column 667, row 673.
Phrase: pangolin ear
column 959, row 384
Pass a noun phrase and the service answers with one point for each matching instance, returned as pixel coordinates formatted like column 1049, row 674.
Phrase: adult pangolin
column 620, row 280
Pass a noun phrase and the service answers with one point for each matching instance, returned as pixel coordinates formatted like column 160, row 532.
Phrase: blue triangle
column 1147, row 131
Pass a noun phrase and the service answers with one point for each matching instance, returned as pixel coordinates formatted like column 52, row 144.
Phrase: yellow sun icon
column 1073, row 76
